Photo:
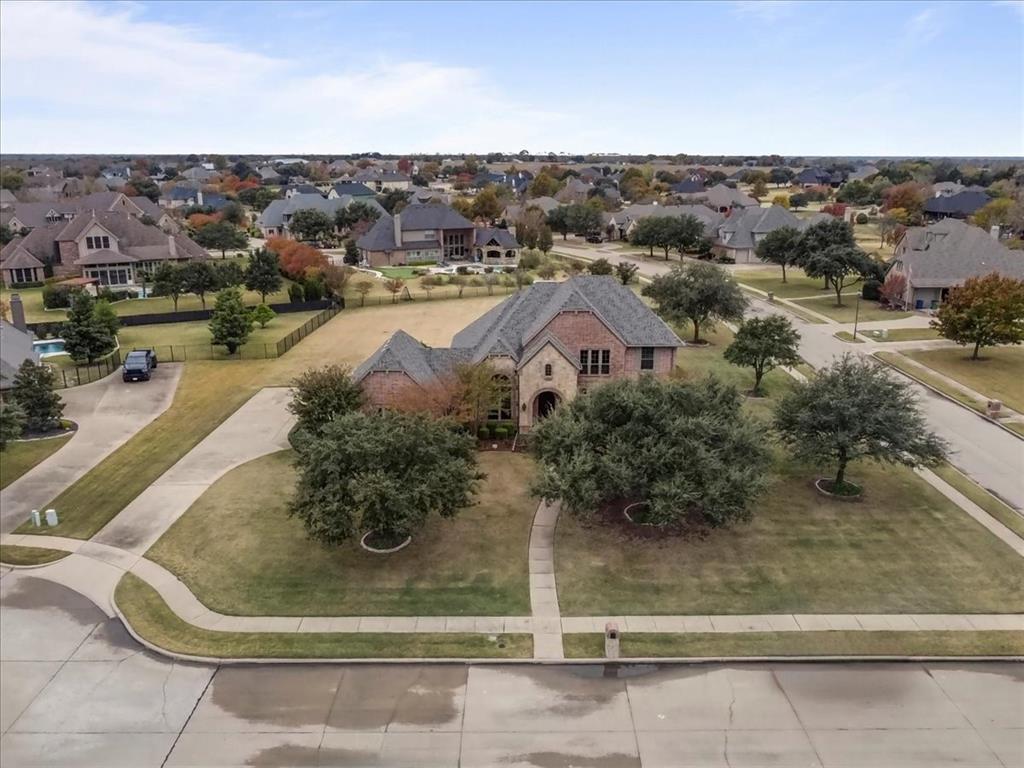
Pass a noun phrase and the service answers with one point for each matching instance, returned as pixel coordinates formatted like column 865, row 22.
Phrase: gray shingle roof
column 274, row 214
column 742, row 226
column 947, row 252
column 404, row 354
column 961, row 204
column 502, row 237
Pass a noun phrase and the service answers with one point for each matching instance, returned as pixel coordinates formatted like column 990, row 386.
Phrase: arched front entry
column 544, row 403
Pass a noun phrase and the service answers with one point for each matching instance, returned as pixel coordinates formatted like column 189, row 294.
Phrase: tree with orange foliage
column 909, row 197
column 296, row 257
column 199, row 220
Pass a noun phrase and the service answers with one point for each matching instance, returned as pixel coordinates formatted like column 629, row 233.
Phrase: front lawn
column 20, row 456
column 998, row 375
column 769, row 280
column 903, row 549
column 149, row 616
column 902, row 334
column 740, row 644
column 240, row 553
column 12, row 554
column 869, row 310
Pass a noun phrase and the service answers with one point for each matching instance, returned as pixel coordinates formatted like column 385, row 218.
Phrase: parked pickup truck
column 138, row 365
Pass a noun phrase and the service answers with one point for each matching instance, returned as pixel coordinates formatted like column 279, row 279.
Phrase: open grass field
column 770, row 280
column 718, row 645
column 474, row 564
column 19, row 457
column 999, row 375
column 210, row 391
column 998, row 509
column 197, row 333
column 869, row 310
column 150, row 617
column 11, row 554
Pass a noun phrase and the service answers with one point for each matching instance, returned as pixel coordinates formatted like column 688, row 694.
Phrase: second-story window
column 95, row 243
column 595, row 362
column 646, row 358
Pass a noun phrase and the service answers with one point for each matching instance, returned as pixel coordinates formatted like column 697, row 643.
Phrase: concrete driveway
column 108, row 413
column 75, row 690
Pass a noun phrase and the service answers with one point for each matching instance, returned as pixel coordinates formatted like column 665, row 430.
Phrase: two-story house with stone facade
column 548, row 342
column 112, row 248
column 435, row 233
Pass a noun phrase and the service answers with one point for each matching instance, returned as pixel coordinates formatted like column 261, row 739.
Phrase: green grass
column 150, row 617
column 987, row 501
column 869, row 310
column 262, row 341
column 404, row 273
column 474, row 564
column 903, row 334
column 11, row 554
column 719, row 645
column 847, row 337
column 900, row 362
column 770, row 281
column 904, row 548
column 19, row 457
column 998, row 375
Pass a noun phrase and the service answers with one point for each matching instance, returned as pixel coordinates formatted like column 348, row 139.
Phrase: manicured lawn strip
column 869, row 310
column 998, row 375
column 770, row 281
column 898, row 361
column 197, row 334
column 904, row 334
column 904, row 548
column 11, row 554
column 150, row 617
column 20, row 456
column 794, row 309
column 208, row 393
column 1000, row 511
column 473, row 565
column 847, row 337
column 1015, row 426
column 836, row 643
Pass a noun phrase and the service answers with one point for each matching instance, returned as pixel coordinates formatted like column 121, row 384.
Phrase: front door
column 545, row 403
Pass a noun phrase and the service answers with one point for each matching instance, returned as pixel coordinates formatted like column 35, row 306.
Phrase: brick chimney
column 18, row 313
column 398, row 229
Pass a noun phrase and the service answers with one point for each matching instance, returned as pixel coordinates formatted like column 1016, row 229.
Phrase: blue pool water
column 49, row 347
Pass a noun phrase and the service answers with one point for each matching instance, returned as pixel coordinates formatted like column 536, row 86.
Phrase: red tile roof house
column 113, row 247
column 422, row 233
column 550, row 341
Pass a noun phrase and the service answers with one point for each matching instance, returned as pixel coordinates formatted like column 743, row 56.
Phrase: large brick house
column 549, row 342
column 114, row 248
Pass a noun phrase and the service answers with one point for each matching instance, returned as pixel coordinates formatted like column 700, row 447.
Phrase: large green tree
column 764, row 343
column 263, row 273
column 984, row 311
column 12, row 421
column 558, row 221
column 167, row 281
column 780, row 246
column 199, row 277
column 221, row 236
column 384, row 473
column 32, row 391
column 321, row 395
column 686, row 449
column 356, row 211
column 841, row 266
column 230, row 323
column 697, row 293
column 86, row 335
column 821, row 235
column 853, row 410
column 311, row 224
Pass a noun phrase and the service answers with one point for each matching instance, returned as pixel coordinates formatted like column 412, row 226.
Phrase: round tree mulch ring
column 635, row 513
column 824, row 484
column 700, row 343
column 382, row 550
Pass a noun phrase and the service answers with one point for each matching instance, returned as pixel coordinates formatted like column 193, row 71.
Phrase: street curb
column 926, row 385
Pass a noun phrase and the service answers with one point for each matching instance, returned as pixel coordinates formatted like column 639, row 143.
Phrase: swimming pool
column 49, row 347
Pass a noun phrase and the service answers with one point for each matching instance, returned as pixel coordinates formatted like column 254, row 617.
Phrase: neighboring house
column 434, row 233
column 944, row 254
column 739, row 234
column 721, row 198
column 160, row 217
column 548, row 342
column 813, row 177
column 946, row 188
column 275, row 218
column 112, row 247
column 862, row 173
column 199, row 174
column 691, row 186
column 15, row 348
column 383, row 181
column 32, row 215
column 427, row 195
column 350, row 188
column 188, row 196
column 300, row 189
column 958, row 206
column 546, row 204
column 7, row 198
column 620, row 224
column 268, row 175
column 574, row 191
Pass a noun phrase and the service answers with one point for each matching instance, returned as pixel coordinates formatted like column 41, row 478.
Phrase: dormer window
column 97, row 242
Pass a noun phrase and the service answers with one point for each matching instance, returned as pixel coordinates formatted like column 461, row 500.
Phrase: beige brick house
column 549, row 342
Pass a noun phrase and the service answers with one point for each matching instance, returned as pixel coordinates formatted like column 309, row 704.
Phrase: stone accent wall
column 68, row 250
column 532, row 381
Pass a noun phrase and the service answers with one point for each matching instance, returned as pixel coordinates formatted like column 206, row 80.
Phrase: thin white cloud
column 925, row 25
column 763, row 10
column 97, row 80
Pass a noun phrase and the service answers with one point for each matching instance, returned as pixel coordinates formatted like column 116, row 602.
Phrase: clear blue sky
column 912, row 78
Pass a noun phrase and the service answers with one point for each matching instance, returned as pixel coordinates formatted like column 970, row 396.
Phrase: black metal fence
column 75, row 375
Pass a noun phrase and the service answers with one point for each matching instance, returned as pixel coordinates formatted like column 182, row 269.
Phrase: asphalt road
column 989, row 454
column 75, row 690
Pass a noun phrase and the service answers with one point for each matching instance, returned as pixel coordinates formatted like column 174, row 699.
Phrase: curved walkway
column 108, row 413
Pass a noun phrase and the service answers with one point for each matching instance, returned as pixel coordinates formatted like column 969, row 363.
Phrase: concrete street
column 108, row 412
column 992, row 456
column 77, row 691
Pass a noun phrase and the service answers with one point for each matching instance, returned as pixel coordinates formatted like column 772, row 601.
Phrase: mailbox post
column 611, row 640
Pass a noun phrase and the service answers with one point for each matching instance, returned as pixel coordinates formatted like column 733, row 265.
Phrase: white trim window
column 595, row 362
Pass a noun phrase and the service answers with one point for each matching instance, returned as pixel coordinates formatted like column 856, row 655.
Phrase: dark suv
column 138, row 365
